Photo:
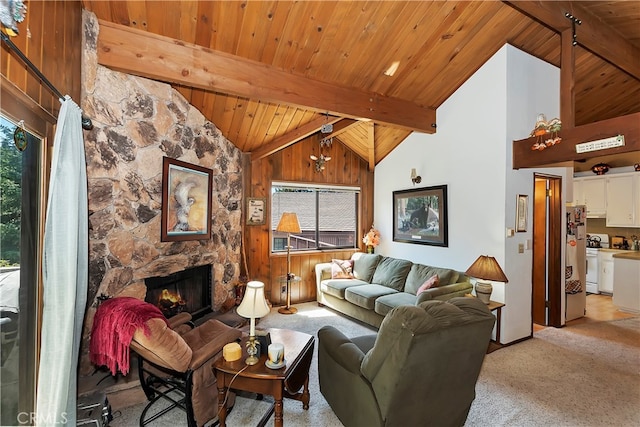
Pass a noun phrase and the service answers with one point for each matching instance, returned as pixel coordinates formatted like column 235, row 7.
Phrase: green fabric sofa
column 420, row 369
column 382, row 283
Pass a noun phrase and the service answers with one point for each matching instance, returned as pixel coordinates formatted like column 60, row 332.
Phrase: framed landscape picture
column 420, row 216
column 186, row 201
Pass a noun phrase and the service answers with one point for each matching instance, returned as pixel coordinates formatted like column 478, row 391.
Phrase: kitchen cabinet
column 605, row 273
column 591, row 191
column 623, row 200
column 626, row 284
column 606, row 269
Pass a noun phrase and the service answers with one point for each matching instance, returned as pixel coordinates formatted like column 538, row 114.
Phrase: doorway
column 546, row 305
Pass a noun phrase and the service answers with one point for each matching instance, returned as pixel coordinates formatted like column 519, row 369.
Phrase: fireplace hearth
column 184, row 291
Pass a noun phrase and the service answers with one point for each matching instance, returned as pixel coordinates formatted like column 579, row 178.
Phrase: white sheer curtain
column 65, row 269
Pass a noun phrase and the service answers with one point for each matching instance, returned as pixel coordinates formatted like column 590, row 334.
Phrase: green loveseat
column 382, row 283
column 420, row 369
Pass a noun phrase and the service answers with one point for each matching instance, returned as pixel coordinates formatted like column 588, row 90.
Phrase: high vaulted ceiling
column 292, row 66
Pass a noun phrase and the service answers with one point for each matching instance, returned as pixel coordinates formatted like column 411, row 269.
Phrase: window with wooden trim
column 328, row 216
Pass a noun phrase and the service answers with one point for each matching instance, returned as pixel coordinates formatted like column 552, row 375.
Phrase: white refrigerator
column 576, row 262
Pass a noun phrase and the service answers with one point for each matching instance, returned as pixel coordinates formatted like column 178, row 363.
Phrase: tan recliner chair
column 419, row 370
column 177, row 360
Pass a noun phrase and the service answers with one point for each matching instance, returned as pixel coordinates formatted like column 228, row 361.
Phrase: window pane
column 19, row 216
column 337, row 219
column 327, row 217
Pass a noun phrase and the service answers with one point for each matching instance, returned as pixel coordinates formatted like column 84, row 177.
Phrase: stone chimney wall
column 137, row 122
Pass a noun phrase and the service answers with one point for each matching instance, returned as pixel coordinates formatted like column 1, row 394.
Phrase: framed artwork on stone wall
column 186, row 201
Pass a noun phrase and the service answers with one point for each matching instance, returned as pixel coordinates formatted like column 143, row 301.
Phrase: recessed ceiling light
column 392, row 69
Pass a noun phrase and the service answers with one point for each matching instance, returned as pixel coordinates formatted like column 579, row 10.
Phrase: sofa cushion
column 420, row 273
column 392, row 272
column 341, row 269
column 365, row 295
column 431, row 282
column 364, row 265
column 385, row 303
column 336, row 287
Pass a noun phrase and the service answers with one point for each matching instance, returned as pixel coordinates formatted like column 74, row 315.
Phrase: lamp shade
column 253, row 305
column 487, row 268
column 289, row 223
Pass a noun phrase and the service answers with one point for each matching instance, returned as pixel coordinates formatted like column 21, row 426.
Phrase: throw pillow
column 341, row 269
column 431, row 282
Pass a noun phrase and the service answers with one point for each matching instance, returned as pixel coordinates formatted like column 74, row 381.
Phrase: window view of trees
column 10, row 196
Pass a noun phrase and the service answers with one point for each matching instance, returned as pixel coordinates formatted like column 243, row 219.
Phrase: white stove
column 595, row 242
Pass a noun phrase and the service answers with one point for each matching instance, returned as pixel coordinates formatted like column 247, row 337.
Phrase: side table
column 279, row 383
column 497, row 307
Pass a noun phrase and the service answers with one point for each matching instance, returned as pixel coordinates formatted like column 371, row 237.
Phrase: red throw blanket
column 114, row 324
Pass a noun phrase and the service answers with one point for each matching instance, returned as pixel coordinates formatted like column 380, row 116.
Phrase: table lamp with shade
column 253, row 306
column 288, row 224
column 486, row 269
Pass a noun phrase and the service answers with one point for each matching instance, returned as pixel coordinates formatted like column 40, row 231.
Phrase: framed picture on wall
column 521, row 213
column 420, row 216
column 256, row 210
column 186, row 201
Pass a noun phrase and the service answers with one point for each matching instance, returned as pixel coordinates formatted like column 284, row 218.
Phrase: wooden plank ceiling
column 341, row 49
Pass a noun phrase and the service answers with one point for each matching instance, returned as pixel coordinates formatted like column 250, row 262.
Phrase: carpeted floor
column 586, row 375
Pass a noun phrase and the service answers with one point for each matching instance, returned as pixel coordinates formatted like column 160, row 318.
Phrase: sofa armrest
column 341, row 349
column 454, row 288
column 323, row 272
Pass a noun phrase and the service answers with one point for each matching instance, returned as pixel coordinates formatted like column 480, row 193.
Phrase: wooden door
column 547, row 292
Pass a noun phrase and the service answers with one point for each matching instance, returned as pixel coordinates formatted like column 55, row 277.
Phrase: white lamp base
column 483, row 291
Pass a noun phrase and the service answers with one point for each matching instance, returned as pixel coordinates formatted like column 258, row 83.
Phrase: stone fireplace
column 184, row 291
column 137, row 122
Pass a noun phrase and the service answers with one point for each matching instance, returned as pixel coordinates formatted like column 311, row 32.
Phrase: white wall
column 471, row 153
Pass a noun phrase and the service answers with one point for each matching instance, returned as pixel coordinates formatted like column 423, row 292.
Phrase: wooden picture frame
column 256, row 210
column 186, row 201
column 420, row 216
column 522, row 207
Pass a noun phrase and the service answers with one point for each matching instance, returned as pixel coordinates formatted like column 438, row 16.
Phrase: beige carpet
column 587, row 375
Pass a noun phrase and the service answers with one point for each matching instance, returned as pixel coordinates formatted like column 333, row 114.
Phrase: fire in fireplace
column 188, row 290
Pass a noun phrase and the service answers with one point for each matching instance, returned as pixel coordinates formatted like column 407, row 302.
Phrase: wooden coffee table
column 279, row 383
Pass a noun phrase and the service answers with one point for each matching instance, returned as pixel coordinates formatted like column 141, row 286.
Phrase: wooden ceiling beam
column 162, row 58
column 291, row 138
column 592, row 34
column 567, row 81
column 371, row 146
column 628, row 126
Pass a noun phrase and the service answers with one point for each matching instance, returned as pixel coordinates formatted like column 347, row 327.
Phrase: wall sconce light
column 415, row 178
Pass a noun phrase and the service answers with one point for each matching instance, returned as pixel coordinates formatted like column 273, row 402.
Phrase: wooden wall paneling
column 186, row 92
column 291, row 164
column 188, row 20
column 137, row 14
column 155, row 17
column 54, row 48
column 120, row 12
column 17, row 71
column 35, row 20
column 73, row 39
column 101, row 9
column 50, row 54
